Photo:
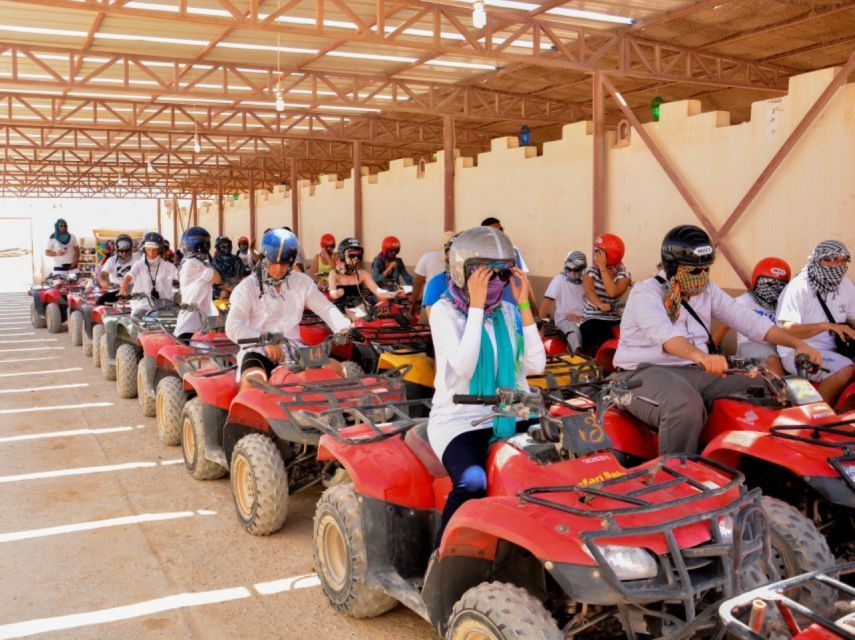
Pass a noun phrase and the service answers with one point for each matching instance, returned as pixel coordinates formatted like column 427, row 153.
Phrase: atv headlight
column 725, row 525
column 630, row 563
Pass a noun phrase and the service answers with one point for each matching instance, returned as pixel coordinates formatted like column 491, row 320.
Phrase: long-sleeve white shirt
column 645, row 325
column 116, row 267
column 457, row 344
column 197, row 283
column 147, row 276
column 252, row 313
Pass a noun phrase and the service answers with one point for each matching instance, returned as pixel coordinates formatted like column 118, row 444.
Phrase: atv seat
column 417, row 440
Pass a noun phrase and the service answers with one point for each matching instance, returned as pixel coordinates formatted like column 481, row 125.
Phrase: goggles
column 500, row 268
column 152, row 245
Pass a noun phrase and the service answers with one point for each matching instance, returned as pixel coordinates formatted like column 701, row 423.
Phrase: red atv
column 77, row 300
column 50, row 300
column 774, row 611
column 94, row 317
column 786, row 441
column 256, row 433
column 567, row 542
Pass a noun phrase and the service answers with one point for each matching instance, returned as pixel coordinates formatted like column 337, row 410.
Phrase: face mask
column 494, row 292
column 767, row 291
column 574, row 277
column 692, row 284
column 269, row 280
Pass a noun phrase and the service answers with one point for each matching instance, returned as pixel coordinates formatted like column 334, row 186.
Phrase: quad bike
column 94, row 316
column 119, row 346
column 554, row 342
column 76, row 301
column 787, row 442
column 773, row 611
column 260, row 434
column 50, row 300
column 567, row 543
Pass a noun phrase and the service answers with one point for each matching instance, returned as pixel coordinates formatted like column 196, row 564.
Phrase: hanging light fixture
column 280, row 99
column 277, row 92
column 197, row 146
column 479, row 14
column 149, row 165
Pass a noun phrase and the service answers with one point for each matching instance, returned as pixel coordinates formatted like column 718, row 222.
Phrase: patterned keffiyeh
column 826, row 280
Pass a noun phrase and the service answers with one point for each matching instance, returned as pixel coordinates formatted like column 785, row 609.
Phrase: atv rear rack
column 395, row 421
column 410, row 339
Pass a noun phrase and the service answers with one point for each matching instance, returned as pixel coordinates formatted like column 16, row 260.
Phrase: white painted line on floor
column 52, row 387
column 29, row 359
column 14, row 325
column 15, row 335
column 165, row 463
column 39, row 373
column 26, row 341
column 100, row 524
column 82, row 471
column 64, row 434
column 32, row 349
column 151, row 607
column 288, row 584
column 58, row 407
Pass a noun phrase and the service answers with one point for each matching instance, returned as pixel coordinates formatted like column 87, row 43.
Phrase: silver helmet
column 575, row 261
column 479, row 245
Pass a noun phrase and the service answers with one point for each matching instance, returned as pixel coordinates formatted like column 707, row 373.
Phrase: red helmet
column 390, row 242
column 327, row 239
column 771, row 268
column 243, row 239
column 612, row 246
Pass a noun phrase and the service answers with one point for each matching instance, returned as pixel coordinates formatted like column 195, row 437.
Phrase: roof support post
column 252, row 232
column 357, row 190
column 194, row 211
column 295, row 199
column 175, row 213
column 159, row 224
column 221, row 209
column 599, row 156
column 448, row 174
column 676, row 180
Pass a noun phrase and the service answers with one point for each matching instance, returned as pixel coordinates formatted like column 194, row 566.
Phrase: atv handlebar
column 469, row 399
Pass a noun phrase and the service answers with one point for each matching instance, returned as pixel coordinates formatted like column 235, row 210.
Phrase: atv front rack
column 817, row 431
column 224, row 357
column 560, row 367
column 402, row 339
column 380, row 421
column 743, row 616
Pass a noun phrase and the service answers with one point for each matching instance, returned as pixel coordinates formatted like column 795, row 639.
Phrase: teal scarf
column 487, row 377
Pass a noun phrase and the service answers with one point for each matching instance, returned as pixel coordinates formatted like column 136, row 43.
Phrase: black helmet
column 221, row 243
column 153, row 240
column 686, row 244
column 197, row 241
column 348, row 243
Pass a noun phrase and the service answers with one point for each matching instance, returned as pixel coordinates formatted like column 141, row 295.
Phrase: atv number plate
column 315, row 356
column 582, row 435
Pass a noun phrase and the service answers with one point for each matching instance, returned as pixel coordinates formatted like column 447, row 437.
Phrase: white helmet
column 477, row 246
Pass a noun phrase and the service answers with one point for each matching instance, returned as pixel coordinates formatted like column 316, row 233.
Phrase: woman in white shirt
column 196, row 280
column 481, row 344
column 152, row 275
column 63, row 248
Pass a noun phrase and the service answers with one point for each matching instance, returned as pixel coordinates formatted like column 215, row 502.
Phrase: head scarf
column 61, row 237
column 575, row 258
column 767, row 291
column 826, row 280
column 683, row 286
column 460, row 297
column 264, row 277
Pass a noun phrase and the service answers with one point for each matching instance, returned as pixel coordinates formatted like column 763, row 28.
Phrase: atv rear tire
column 146, row 370
column 352, row 369
column 192, row 441
column 259, row 484
column 500, row 611
column 86, row 341
column 126, row 371
column 341, row 559
column 97, row 336
column 75, row 328
column 169, row 403
column 108, row 371
column 798, row 547
column 53, row 318
column 35, row 319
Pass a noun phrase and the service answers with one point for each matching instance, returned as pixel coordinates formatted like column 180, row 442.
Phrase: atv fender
column 153, row 342
column 151, row 381
column 386, row 470
column 214, row 421
column 215, row 390
column 260, row 411
column 167, row 355
column 846, row 400
column 87, row 320
column 110, row 334
column 39, row 303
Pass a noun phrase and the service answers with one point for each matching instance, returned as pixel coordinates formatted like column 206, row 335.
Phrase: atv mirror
column 581, row 435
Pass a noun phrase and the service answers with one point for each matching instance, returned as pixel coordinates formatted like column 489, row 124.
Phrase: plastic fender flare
column 260, row 411
column 218, row 391
column 167, row 354
column 152, row 343
column 848, row 396
column 386, row 470
column 730, row 448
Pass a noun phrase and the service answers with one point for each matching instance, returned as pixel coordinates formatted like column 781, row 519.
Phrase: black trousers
column 254, row 360
column 595, row 332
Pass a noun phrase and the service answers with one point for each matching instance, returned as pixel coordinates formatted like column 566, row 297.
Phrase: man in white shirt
column 152, row 275
column 663, row 337
column 521, row 264
column 430, row 264
column 565, row 297
column 196, row 279
column 116, row 267
column 801, row 313
column 272, row 301
column 63, row 248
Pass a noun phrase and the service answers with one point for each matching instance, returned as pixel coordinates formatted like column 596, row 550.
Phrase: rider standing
column 196, row 278
column 63, row 248
column 664, row 336
column 152, row 275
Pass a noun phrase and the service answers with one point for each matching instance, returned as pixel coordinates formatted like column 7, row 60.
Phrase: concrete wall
column 544, row 201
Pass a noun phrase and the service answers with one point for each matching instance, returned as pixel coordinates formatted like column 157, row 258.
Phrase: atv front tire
column 169, row 403
column 126, row 371
column 259, row 485
column 145, row 372
column 75, row 328
column 352, row 369
column 36, row 320
column 341, row 558
column 192, row 441
column 500, row 611
column 53, row 318
column 108, row 371
column 97, row 336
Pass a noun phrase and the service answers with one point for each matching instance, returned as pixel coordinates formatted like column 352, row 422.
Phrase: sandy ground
column 69, row 570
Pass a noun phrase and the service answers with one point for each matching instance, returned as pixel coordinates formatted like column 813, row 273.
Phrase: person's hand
column 600, row 259
column 336, row 293
column 604, row 306
column 843, row 331
column 716, row 365
column 573, row 317
column 520, row 286
column 814, row 355
column 274, row 352
column 122, row 291
column 477, row 287
column 388, row 269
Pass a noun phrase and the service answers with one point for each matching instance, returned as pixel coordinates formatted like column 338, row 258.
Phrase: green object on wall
column 235, row 197
column 654, row 108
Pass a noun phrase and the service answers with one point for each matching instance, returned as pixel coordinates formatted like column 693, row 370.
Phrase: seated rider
column 768, row 280
column 152, row 276
column 196, row 279
column 246, row 255
column 565, row 297
column 819, row 306
column 477, row 337
column 605, row 282
column 348, row 277
column 664, row 336
column 229, row 266
column 324, row 261
column 272, row 300
column 116, row 267
column 387, row 268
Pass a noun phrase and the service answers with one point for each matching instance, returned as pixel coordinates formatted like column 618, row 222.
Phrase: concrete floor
column 74, row 458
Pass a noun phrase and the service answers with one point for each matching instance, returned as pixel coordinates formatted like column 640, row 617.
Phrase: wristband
column 525, row 305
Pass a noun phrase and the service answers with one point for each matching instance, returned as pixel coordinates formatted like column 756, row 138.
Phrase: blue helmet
column 197, row 241
column 153, row 240
column 280, row 246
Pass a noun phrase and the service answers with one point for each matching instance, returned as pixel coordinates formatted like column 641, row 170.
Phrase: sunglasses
column 353, row 256
column 501, row 270
column 329, row 247
column 696, row 271
column 393, row 250
column 123, row 250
